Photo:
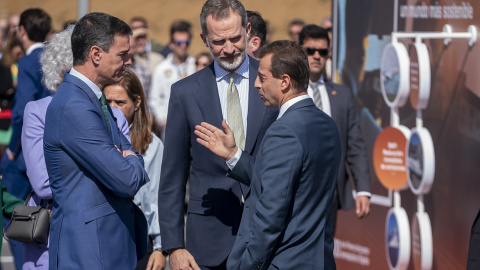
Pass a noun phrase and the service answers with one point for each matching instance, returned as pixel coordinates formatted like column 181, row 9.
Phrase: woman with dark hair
column 128, row 96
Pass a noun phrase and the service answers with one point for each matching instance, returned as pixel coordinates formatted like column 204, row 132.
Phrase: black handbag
column 29, row 224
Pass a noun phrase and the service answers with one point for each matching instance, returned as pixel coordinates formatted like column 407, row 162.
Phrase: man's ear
column 254, row 44
column 285, row 82
column 204, row 39
column 96, row 54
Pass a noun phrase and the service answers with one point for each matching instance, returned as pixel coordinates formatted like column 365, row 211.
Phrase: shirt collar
column 220, row 73
column 33, row 47
column 320, row 81
column 96, row 90
column 289, row 103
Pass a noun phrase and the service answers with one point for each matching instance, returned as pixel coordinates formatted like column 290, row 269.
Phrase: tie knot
column 103, row 100
column 232, row 76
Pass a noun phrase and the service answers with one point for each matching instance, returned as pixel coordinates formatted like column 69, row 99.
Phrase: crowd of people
column 238, row 158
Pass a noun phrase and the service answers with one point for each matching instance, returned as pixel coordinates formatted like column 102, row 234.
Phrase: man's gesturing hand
column 221, row 143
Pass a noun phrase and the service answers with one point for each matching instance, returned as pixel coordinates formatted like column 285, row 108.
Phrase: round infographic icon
column 420, row 161
column 420, row 75
column 397, row 239
column 422, row 246
column 389, row 159
column 394, row 74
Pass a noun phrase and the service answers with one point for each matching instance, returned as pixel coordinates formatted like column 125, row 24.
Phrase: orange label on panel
column 389, row 158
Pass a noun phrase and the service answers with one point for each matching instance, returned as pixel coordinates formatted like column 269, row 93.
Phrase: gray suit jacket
column 286, row 220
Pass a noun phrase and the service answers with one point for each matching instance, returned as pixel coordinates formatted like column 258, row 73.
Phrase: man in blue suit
column 224, row 90
column 286, row 220
column 94, row 172
column 34, row 26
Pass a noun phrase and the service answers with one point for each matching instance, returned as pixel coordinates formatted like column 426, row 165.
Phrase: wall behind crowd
column 160, row 14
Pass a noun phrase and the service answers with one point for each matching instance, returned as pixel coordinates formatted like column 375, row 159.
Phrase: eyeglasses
column 180, row 42
column 311, row 51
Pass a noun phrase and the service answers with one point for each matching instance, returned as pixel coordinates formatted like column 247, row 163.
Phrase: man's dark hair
column 37, row 23
column 314, row 32
column 288, row 58
column 220, row 9
column 259, row 28
column 96, row 29
column 296, row 22
column 180, row 26
column 139, row 19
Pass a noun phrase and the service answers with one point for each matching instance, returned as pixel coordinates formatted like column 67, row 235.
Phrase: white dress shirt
column 323, row 95
column 241, row 82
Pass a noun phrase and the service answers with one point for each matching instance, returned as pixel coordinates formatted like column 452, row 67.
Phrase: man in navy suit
column 286, row 220
column 34, row 26
column 338, row 102
column 223, row 90
column 94, row 171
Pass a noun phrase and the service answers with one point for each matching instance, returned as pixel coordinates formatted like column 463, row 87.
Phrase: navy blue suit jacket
column 93, row 224
column 286, row 220
column 214, row 207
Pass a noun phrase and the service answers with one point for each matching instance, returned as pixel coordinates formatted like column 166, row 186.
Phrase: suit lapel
column 333, row 99
column 93, row 98
column 256, row 108
column 207, row 98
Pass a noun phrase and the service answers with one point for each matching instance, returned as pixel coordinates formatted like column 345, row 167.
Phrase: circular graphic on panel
column 422, row 247
column 420, row 161
column 420, row 76
column 397, row 239
column 389, row 159
column 394, row 74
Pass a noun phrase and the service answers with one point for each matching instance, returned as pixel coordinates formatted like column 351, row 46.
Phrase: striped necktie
column 317, row 97
column 234, row 112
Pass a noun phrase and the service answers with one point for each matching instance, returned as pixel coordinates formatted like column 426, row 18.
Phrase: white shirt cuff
column 364, row 193
column 234, row 160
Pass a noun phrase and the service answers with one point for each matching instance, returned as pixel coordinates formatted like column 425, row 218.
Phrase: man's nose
column 229, row 48
column 129, row 61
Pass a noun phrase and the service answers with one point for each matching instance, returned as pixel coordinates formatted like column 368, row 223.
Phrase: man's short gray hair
column 57, row 58
column 220, row 9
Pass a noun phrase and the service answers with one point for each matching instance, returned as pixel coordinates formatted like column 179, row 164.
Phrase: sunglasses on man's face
column 311, row 51
column 180, row 42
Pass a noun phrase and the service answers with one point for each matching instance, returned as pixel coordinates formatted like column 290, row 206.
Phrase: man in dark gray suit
column 223, row 90
column 337, row 101
column 286, row 220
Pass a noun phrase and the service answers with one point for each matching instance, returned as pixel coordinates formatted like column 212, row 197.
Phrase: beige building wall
column 160, row 13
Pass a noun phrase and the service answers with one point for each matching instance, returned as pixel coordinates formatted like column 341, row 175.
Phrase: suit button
column 131, row 210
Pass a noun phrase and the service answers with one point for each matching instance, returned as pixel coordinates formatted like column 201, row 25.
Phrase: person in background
column 142, row 49
column 34, row 26
column 129, row 97
column 338, row 102
column 258, row 33
column 55, row 60
column 12, row 52
column 294, row 29
column 137, row 22
column 178, row 65
column 202, row 60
